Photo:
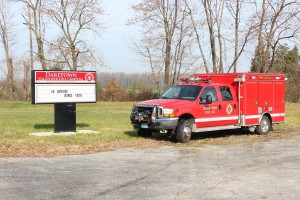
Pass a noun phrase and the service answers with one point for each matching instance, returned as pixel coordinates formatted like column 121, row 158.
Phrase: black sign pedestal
column 65, row 117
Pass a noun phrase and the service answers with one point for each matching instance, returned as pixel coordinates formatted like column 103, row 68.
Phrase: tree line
column 110, row 87
column 178, row 38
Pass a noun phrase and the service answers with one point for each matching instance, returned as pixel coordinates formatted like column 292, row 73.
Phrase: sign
column 65, row 77
column 63, row 87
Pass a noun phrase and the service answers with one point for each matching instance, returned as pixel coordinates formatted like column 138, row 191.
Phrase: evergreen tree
column 255, row 62
column 286, row 61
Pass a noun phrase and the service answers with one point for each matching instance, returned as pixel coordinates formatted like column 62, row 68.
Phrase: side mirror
column 208, row 99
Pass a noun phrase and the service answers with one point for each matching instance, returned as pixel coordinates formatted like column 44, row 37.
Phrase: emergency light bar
column 195, row 80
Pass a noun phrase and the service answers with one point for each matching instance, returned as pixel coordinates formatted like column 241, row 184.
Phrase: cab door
column 228, row 108
column 208, row 114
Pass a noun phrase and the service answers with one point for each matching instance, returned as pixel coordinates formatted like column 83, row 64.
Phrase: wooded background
column 178, row 37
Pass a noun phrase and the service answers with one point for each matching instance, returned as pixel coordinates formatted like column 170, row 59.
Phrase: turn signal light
column 169, row 113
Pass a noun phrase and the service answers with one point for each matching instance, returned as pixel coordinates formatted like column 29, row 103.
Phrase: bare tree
column 284, row 25
column 144, row 49
column 6, row 35
column 182, row 56
column 159, row 16
column 26, row 83
column 214, row 17
column 260, row 46
column 243, row 30
column 279, row 22
column 210, row 19
column 197, row 34
column 219, row 21
column 236, row 15
column 37, row 26
column 196, row 26
column 73, row 17
column 166, row 38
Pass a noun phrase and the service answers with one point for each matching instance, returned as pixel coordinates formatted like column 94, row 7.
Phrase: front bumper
column 160, row 124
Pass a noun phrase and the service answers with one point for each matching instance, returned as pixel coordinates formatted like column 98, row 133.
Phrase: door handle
column 220, row 107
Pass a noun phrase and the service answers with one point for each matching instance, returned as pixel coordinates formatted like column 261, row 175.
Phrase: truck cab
column 206, row 102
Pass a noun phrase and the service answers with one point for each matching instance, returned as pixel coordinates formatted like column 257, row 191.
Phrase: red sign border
column 52, row 76
column 60, row 82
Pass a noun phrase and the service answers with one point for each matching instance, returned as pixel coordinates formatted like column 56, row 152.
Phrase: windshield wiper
column 186, row 98
column 164, row 98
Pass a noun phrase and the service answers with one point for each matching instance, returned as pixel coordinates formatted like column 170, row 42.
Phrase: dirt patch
column 212, row 138
column 58, row 150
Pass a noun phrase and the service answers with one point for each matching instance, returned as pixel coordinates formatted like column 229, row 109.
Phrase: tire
column 184, row 130
column 264, row 126
column 144, row 133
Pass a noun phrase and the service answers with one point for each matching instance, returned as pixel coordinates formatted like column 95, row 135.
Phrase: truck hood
column 165, row 103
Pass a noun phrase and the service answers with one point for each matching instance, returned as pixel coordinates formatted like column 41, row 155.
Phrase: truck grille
column 145, row 109
column 145, row 112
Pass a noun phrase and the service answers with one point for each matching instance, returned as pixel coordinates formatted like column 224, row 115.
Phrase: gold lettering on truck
column 210, row 110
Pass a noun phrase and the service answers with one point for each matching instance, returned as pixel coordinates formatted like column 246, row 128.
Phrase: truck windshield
column 187, row 92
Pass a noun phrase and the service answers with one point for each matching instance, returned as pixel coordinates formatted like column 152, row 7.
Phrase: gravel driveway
column 260, row 170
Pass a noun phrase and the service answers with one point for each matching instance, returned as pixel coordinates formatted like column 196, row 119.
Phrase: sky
column 114, row 44
column 116, row 40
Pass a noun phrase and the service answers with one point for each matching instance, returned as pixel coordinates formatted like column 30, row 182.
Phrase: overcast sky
column 115, row 42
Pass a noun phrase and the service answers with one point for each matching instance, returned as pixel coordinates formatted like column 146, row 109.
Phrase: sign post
column 63, row 89
column 65, row 117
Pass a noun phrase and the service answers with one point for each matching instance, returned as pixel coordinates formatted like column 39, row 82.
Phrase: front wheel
column 264, row 126
column 184, row 130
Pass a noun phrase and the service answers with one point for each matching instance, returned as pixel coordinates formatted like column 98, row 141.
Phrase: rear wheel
column 264, row 126
column 144, row 133
column 184, row 130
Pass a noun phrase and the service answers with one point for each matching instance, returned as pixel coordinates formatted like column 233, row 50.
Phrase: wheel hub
column 264, row 126
column 186, row 131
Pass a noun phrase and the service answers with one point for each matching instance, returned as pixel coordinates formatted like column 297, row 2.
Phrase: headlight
column 169, row 112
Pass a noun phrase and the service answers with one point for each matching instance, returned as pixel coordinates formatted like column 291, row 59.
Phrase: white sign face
column 65, row 93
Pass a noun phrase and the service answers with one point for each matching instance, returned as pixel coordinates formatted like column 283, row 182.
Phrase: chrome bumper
column 160, row 124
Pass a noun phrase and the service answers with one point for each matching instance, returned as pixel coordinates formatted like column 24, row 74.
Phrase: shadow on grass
column 131, row 133
column 196, row 136
column 51, row 126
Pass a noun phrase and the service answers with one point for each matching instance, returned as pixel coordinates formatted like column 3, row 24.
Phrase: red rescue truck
column 210, row 102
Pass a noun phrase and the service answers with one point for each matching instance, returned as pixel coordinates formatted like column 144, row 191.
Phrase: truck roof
column 231, row 78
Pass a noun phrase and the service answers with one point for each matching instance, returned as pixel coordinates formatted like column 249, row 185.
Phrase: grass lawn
column 111, row 120
column 18, row 119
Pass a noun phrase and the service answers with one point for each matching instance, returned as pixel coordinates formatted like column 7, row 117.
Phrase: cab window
column 210, row 90
column 226, row 93
column 186, row 92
